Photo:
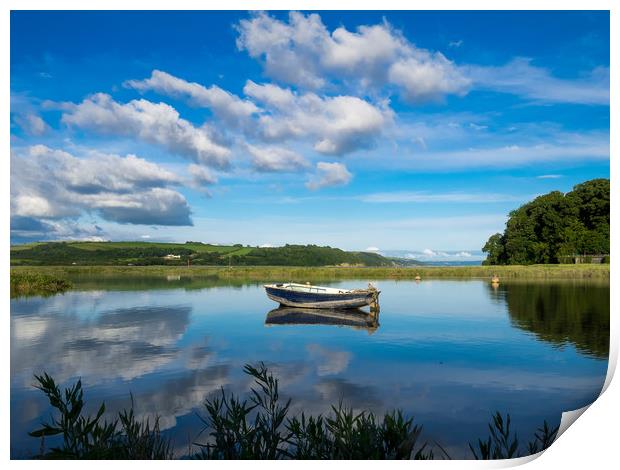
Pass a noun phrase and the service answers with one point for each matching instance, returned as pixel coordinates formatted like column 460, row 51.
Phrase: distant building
column 171, row 256
column 585, row 259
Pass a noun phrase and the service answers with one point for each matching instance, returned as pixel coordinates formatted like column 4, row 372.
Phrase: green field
column 195, row 253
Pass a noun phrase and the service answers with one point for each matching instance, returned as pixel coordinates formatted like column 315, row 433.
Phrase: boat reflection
column 353, row 318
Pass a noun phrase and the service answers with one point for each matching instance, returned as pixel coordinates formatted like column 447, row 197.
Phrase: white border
column 590, row 443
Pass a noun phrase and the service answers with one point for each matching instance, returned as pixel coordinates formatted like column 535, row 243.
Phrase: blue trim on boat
column 302, row 297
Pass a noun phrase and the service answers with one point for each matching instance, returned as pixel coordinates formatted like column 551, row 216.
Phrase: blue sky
column 412, row 131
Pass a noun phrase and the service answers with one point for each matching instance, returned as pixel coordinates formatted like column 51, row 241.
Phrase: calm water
column 449, row 353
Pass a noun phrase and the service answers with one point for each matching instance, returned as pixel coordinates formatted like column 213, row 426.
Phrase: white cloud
column 372, row 248
column 329, row 174
column 276, row 159
column 32, row 124
column 443, row 254
column 520, row 77
column 155, row 123
column 548, row 177
column 228, row 107
column 303, row 52
column 25, row 228
column 53, row 187
column 271, row 95
column 427, row 76
column 336, row 125
column 201, row 175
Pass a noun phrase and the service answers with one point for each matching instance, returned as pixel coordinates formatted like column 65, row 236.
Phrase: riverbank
column 31, row 282
column 303, row 274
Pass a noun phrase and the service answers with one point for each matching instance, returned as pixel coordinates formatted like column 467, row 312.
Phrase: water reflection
column 121, row 343
column 449, row 353
column 353, row 318
column 561, row 313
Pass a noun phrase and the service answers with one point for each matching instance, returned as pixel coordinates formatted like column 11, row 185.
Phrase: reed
column 303, row 274
column 259, row 427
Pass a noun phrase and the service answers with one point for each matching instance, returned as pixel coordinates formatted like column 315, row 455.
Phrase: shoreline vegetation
column 28, row 283
column 260, row 427
column 303, row 274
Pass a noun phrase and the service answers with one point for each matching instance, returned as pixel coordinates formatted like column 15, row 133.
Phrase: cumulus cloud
column 25, row 229
column 329, row 174
column 304, row 52
column 202, row 175
column 225, row 105
column 155, row 123
column 520, row 77
column 50, row 186
column 426, row 76
column 336, row 125
column 276, row 159
column 32, row 124
column 270, row 95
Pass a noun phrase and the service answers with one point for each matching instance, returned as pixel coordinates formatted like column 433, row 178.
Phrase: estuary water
column 449, row 353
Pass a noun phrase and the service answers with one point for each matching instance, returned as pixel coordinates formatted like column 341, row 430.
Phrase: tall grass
column 302, row 274
column 88, row 437
column 259, row 427
column 25, row 283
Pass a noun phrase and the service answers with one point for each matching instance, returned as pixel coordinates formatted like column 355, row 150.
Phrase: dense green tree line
column 554, row 227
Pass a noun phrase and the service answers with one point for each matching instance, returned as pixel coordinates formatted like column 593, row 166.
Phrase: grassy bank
column 302, row 274
column 31, row 282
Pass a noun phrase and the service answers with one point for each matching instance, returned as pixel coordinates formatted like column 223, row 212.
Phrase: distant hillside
column 175, row 254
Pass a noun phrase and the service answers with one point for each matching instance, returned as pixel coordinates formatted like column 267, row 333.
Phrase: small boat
column 352, row 318
column 309, row 296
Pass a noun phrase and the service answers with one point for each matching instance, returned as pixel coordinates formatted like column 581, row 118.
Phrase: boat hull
column 290, row 298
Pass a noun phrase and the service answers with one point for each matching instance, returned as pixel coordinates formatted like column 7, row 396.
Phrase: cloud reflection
column 123, row 343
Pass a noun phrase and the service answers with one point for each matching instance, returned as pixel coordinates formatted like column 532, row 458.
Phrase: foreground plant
column 502, row 444
column 260, row 429
column 86, row 437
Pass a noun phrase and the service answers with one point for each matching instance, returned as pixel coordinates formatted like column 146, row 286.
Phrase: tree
column 495, row 249
column 555, row 225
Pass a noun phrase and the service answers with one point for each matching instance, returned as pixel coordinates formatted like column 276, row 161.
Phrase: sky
column 380, row 131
